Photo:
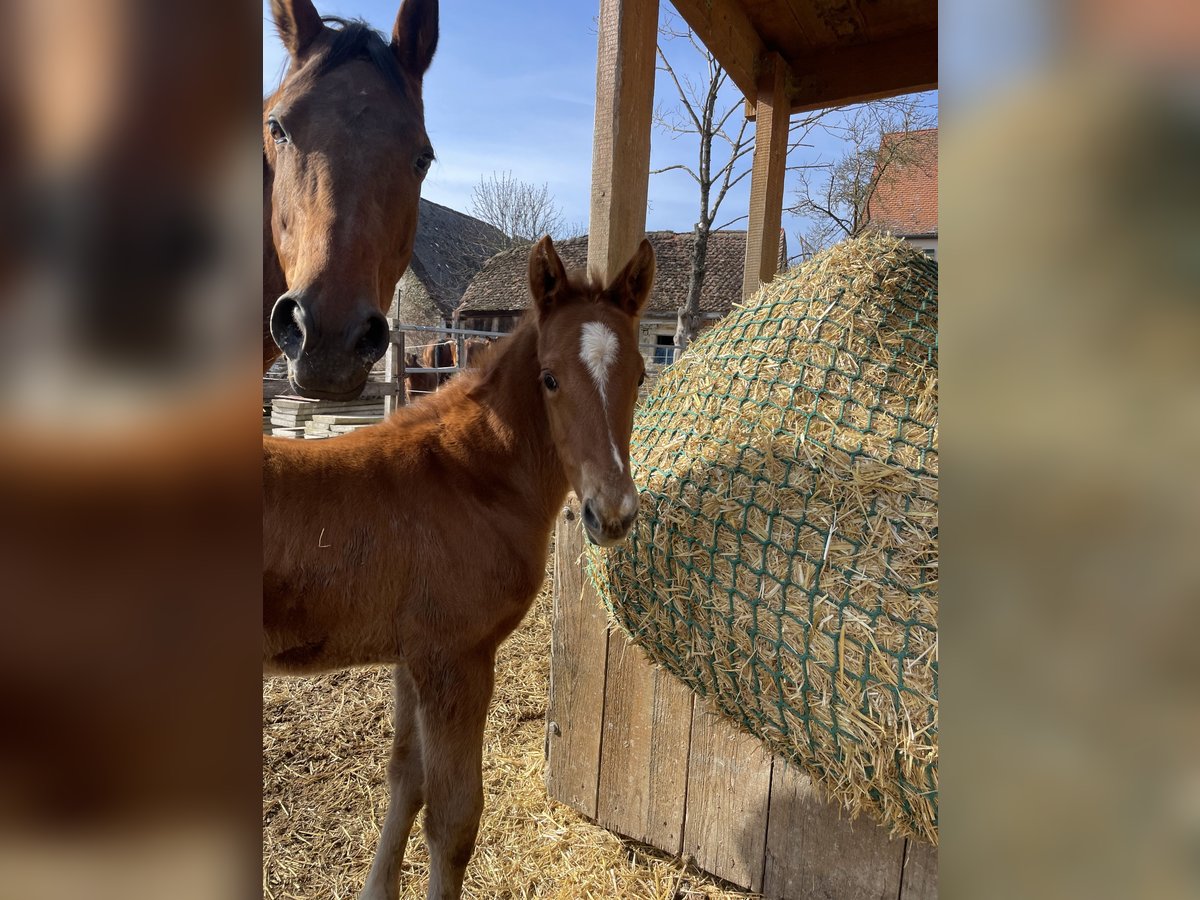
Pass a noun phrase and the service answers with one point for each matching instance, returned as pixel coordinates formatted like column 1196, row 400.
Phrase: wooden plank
column 862, row 72
column 621, row 149
column 768, row 168
column 393, row 372
column 727, row 32
column 729, row 785
column 920, row 878
column 578, row 654
column 814, row 850
column 643, row 757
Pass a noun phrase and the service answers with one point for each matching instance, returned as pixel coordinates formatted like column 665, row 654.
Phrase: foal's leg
column 406, row 777
column 453, row 710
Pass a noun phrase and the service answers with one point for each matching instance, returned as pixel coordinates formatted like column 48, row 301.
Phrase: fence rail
column 390, row 383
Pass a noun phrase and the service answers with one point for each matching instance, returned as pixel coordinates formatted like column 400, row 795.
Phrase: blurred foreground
column 130, row 215
column 1070, row 353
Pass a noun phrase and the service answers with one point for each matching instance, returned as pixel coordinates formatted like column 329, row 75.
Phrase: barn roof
column 905, row 201
column 502, row 284
column 450, row 247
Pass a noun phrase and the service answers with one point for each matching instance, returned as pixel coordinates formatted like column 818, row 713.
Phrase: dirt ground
column 325, row 749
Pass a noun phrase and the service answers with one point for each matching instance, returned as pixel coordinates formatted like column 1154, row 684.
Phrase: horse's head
column 345, row 145
column 590, row 371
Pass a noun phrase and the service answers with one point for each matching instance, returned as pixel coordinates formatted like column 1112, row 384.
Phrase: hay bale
column 784, row 563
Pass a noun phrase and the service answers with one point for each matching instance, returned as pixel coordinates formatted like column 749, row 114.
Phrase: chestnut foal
column 422, row 542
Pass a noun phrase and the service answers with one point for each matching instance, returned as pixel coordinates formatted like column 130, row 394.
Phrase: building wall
column 505, row 322
column 926, row 244
column 412, row 305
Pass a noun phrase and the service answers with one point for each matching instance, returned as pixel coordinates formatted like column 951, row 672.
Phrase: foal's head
column 345, row 146
column 590, row 372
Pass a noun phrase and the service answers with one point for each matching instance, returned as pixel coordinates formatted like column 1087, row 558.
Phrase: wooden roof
column 837, row 51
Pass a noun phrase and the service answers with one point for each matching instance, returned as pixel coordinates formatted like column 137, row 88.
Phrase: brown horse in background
column 344, row 154
column 473, row 349
column 441, row 355
column 364, row 537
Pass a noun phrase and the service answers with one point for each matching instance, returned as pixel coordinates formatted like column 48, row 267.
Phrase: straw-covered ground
column 325, row 748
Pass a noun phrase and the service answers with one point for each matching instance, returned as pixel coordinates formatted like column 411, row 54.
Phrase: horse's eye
column 550, row 382
column 641, row 379
column 278, row 135
column 424, row 161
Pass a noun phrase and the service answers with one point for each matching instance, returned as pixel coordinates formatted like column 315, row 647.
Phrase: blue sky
column 513, row 88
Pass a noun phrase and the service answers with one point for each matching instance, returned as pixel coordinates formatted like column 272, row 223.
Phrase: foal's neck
column 522, row 450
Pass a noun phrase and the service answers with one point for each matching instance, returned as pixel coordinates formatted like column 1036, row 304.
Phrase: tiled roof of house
column 502, row 285
column 906, row 198
column 450, row 248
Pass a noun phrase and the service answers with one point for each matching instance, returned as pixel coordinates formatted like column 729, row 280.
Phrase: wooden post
column 772, row 113
column 393, row 373
column 621, row 149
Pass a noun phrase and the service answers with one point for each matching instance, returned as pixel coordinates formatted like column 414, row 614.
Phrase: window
column 664, row 349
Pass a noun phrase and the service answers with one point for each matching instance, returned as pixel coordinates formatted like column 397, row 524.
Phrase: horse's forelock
column 356, row 39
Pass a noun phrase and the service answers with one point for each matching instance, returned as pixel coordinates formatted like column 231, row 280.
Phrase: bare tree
column 834, row 197
column 523, row 211
column 705, row 109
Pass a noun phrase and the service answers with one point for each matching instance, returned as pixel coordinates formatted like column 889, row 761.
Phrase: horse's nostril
column 287, row 328
column 589, row 516
column 374, row 340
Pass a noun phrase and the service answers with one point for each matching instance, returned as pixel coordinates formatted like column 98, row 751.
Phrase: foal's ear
column 547, row 276
column 631, row 288
column 298, row 23
column 415, row 35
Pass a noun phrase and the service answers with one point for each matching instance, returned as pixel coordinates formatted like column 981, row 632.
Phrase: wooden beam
column 621, row 147
column 643, row 759
column 814, row 850
column 728, row 795
column 578, row 651
column 772, row 112
column 843, row 75
column 727, row 32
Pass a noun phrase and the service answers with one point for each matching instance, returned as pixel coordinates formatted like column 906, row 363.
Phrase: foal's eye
column 278, row 135
column 549, row 381
column 424, row 161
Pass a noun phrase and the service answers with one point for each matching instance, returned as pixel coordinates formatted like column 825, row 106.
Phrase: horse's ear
column 415, row 35
column 298, row 23
column 547, row 276
column 631, row 288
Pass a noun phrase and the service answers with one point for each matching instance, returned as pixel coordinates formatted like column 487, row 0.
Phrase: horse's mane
column 355, row 39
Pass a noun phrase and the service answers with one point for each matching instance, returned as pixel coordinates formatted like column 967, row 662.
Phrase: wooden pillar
column 620, row 182
column 393, row 371
column 772, row 113
column 621, row 146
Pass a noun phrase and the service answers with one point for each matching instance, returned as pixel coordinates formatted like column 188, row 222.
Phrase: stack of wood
column 323, row 426
column 296, row 417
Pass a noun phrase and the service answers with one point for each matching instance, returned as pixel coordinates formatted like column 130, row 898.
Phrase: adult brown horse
column 422, row 541
column 344, row 155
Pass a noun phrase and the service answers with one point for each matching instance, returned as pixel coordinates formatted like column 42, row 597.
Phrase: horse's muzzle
column 605, row 530
column 327, row 363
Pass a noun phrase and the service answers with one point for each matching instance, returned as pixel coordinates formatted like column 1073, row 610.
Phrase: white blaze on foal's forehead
column 598, row 350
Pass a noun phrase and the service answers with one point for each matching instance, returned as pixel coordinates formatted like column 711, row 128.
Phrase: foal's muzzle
column 327, row 359
column 605, row 530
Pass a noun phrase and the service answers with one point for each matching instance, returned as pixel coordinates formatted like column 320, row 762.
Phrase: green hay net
column 784, row 562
